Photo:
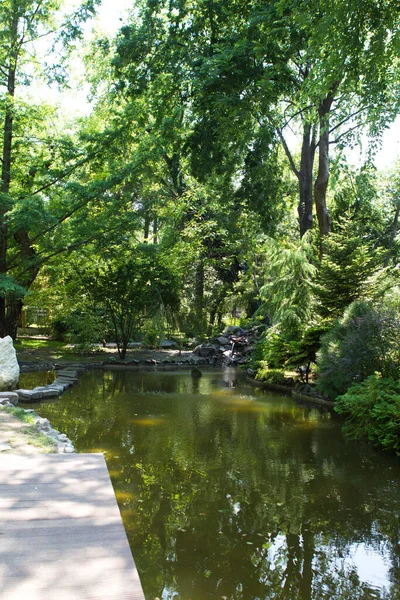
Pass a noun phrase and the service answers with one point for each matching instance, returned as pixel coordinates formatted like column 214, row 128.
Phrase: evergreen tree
column 346, row 269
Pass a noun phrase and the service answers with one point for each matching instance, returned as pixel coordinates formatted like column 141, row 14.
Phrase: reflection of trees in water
column 227, row 497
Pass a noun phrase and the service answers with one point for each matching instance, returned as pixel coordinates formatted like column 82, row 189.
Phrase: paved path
column 61, row 534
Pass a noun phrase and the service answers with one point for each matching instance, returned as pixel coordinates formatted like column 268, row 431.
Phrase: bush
column 372, row 410
column 271, row 348
column 271, row 375
column 363, row 342
column 80, row 327
column 59, row 328
column 278, row 353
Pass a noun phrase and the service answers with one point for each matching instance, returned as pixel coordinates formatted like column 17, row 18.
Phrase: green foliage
column 85, row 327
column 268, row 375
column 364, row 341
column 274, row 351
column 372, row 411
column 303, row 351
column 10, row 288
column 287, row 296
column 59, row 327
column 347, row 267
column 271, row 349
column 131, row 288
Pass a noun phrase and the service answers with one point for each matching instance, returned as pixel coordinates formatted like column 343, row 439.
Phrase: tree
column 288, row 295
column 325, row 69
column 346, row 269
column 22, row 24
column 130, row 287
column 362, row 342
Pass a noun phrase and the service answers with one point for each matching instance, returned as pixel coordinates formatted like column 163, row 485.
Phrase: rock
column 206, row 351
column 4, row 447
column 196, row 373
column 9, row 367
column 47, row 390
column 234, row 330
column 64, row 382
column 224, row 341
column 168, row 344
column 61, row 387
column 12, row 397
column 67, row 373
column 29, row 395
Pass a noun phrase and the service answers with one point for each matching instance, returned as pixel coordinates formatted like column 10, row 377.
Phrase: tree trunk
column 199, row 295
column 216, row 308
column 393, row 231
column 6, row 159
column 321, row 182
column 14, row 317
column 305, row 177
column 155, row 230
column 146, row 227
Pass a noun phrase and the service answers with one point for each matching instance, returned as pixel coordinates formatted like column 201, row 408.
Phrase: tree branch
column 287, row 152
column 357, row 112
column 337, row 140
column 68, row 248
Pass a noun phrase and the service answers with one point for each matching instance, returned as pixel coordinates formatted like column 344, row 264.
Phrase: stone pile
column 8, row 399
column 66, row 378
column 233, row 347
column 62, row 443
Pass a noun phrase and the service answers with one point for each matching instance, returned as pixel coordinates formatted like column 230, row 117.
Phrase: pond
column 229, row 492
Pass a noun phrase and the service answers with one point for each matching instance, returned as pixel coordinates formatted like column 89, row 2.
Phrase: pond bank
column 25, row 432
column 291, row 390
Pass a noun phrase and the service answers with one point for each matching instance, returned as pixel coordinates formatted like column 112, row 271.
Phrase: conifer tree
column 346, row 268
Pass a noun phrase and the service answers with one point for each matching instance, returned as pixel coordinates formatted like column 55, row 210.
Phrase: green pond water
column 28, row 381
column 228, row 492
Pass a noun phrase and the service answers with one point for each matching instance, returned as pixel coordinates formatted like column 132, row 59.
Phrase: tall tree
column 33, row 161
column 325, row 69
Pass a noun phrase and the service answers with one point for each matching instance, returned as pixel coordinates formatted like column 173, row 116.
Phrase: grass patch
column 28, row 348
column 20, row 414
column 24, row 344
column 38, row 439
column 30, row 433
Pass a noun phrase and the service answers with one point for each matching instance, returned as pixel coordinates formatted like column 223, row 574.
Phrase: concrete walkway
column 61, row 534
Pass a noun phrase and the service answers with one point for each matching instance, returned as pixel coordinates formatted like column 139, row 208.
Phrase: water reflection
column 230, row 493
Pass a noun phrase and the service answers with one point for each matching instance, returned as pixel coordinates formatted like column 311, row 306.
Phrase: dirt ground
column 22, row 437
column 103, row 354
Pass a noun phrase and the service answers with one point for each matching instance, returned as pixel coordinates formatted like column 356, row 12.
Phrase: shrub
column 271, row 375
column 59, row 328
column 279, row 353
column 271, row 348
column 372, row 410
column 363, row 342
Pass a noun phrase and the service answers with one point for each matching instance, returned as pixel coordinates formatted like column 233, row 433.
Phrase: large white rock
column 9, row 367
